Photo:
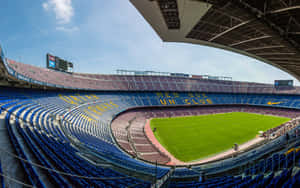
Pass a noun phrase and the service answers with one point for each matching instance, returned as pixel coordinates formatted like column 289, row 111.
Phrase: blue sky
column 101, row 36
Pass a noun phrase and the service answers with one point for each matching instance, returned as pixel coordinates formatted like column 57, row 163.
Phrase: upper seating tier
column 47, row 77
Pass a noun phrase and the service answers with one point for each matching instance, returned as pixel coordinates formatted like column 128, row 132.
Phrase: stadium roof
column 268, row 30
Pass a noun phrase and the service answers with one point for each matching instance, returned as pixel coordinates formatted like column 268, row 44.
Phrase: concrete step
column 11, row 166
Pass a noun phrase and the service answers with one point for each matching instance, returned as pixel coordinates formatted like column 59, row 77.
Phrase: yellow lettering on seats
column 90, row 114
column 167, row 95
column 87, row 96
column 190, row 95
column 82, row 98
column 163, row 101
column 176, row 95
column 110, row 106
column 159, row 94
column 75, row 98
column 209, row 101
column 202, row 101
column 95, row 97
column 112, row 103
column 194, row 101
column 104, row 106
column 93, row 109
column 171, row 101
column 187, row 101
column 99, row 108
column 66, row 99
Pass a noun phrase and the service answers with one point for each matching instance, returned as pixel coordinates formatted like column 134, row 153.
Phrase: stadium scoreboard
column 279, row 83
column 56, row 63
column 180, row 75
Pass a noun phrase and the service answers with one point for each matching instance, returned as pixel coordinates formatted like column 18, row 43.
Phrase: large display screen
column 51, row 61
column 59, row 64
column 179, row 74
column 279, row 83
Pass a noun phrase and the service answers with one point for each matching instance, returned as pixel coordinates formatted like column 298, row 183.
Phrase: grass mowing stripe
column 195, row 137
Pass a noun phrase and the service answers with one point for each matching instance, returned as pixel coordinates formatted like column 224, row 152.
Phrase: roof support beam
column 276, row 53
column 287, row 63
column 265, row 47
column 284, row 59
column 228, row 15
column 294, row 33
column 249, row 40
column 282, row 32
column 294, row 67
column 283, row 9
column 260, row 15
column 230, row 29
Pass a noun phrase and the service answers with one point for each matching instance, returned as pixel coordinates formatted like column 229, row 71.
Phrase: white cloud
column 62, row 8
column 45, row 6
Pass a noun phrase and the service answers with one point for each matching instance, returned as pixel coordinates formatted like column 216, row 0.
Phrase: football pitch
column 195, row 137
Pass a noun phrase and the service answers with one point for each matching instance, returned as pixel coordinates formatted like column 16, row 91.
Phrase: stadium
column 159, row 129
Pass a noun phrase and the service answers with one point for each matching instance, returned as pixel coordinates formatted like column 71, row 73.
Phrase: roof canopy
column 268, row 30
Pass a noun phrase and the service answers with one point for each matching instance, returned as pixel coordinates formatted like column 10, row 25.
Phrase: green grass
column 196, row 137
